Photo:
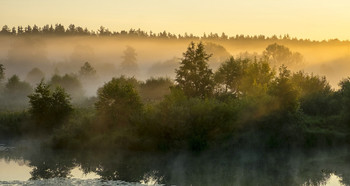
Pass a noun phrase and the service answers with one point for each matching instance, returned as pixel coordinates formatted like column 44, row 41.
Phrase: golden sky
column 314, row 19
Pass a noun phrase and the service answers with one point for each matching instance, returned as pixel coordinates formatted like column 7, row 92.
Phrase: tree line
column 73, row 30
column 245, row 102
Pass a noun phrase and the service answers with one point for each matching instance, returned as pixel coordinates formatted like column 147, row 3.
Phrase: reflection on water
column 210, row 168
column 333, row 181
column 14, row 170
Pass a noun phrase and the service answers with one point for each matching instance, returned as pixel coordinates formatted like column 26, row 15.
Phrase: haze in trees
column 87, row 71
column 35, row 76
column 164, row 68
column 219, row 54
column 89, row 79
column 279, row 54
column 15, row 93
column 2, row 73
column 66, row 50
column 70, row 83
column 24, row 54
column 129, row 64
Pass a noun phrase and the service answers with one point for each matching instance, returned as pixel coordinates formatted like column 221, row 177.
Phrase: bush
column 117, row 102
column 49, row 108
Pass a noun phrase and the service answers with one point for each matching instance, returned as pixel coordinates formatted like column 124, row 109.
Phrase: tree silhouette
column 16, row 90
column 87, row 71
column 49, row 108
column 5, row 30
column 194, row 76
column 129, row 64
column 70, row 83
column 2, row 73
column 35, row 75
column 117, row 101
column 279, row 54
column 20, row 30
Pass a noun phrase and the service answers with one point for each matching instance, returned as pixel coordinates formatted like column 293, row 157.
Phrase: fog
column 267, row 122
column 154, row 57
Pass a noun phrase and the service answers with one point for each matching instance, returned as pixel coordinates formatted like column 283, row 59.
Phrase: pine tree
column 129, row 64
column 194, row 76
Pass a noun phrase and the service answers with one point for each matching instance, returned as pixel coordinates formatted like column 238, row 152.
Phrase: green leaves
column 194, row 76
column 49, row 108
column 118, row 100
column 243, row 77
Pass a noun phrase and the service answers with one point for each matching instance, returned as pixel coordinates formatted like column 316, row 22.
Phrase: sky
column 313, row 19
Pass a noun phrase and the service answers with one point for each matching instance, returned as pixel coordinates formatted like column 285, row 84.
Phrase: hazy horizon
column 315, row 20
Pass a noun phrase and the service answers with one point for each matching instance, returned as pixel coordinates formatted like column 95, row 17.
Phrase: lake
column 33, row 165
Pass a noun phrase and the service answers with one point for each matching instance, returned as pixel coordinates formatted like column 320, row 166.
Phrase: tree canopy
column 280, row 54
column 49, row 108
column 194, row 76
column 117, row 101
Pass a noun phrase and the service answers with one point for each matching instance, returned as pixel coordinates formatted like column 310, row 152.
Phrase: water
column 37, row 166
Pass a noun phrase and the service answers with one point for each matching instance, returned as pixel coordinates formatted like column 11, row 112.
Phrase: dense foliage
column 245, row 103
column 49, row 108
column 194, row 76
column 117, row 101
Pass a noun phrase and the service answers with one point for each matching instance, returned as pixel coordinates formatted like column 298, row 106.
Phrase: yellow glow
column 314, row 19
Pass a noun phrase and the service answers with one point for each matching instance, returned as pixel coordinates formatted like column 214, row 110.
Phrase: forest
column 246, row 102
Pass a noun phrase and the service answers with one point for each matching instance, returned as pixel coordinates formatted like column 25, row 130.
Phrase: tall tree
column 194, row 76
column 129, row 64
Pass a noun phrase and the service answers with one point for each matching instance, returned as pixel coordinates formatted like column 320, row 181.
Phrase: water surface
column 46, row 167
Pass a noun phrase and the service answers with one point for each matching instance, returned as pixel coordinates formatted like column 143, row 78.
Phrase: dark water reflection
column 209, row 168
